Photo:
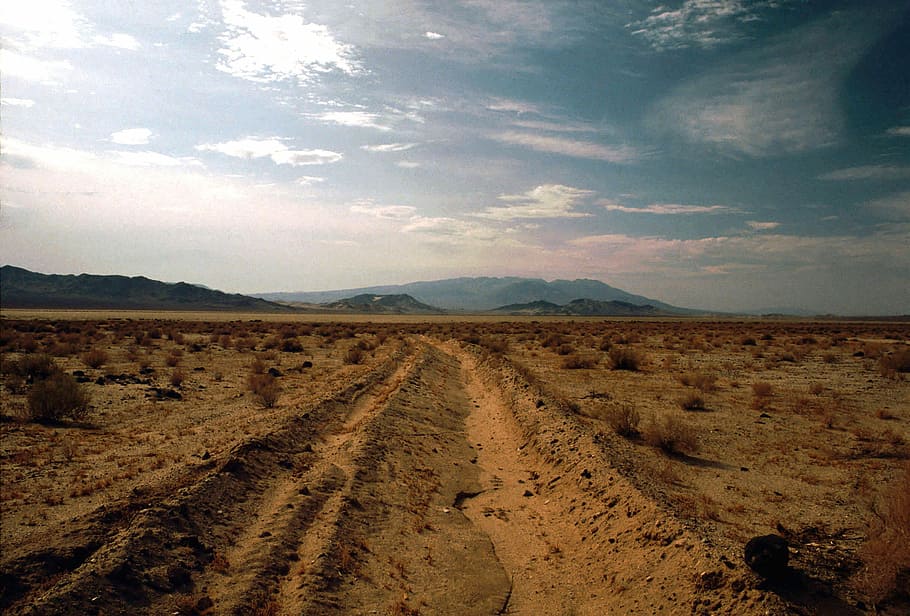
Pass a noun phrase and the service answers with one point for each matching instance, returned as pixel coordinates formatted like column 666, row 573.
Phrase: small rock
column 528, row 493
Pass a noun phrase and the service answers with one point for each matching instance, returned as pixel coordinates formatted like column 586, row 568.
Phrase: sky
column 719, row 154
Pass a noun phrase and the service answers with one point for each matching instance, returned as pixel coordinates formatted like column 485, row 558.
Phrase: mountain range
column 487, row 294
column 20, row 288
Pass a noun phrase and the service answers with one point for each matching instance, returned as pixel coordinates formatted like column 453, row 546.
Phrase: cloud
column 568, row 147
column 360, row 119
column 262, row 48
column 118, row 40
column 433, row 36
column 899, row 131
column 779, row 98
column 869, row 172
column 387, row 212
column 762, row 226
column 667, row 208
column 408, row 164
column 699, row 23
column 388, row 147
column 17, row 102
column 46, row 23
column 153, row 159
column 47, row 72
column 132, row 136
column 272, row 148
column 892, row 207
column 544, row 201
column 309, row 180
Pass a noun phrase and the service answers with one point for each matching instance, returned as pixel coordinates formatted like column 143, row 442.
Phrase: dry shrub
column 624, row 358
column 762, row 389
column 265, row 389
column 58, row 397
column 257, row 366
column 894, row 364
column 173, row 358
column 565, row 349
column 495, row 344
column 292, row 345
column 699, row 380
column 672, row 434
column 353, row 355
column 579, row 362
column 623, row 419
column 95, row 358
column 35, row 367
column 177, row 377
column 886, row 552
column 692, row 401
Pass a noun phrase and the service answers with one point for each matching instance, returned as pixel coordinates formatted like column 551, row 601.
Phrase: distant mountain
column 583, row 307
column 389, row 304
column 483, row 294
column 20, row 288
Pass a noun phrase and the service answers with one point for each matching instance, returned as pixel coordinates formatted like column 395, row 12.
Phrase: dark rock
column 768, row 555
column 307, row 364
column 204, row 605
column 586, row 474
column 275, row 372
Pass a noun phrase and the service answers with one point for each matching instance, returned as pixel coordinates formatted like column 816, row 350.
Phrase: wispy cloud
column 47, row 72
column 433, row 36
column 388, row 147
column 118, row 40
column 272, row 148
column 869, row 172
column 667, row 208
column 264, row 48
column 132, row 136
column 545, row 201
column 388, row 212
column 17, row 102
column 152, row 159
column 899, row 131
column 408, row 164
column 360, row 119
column 700, row 23
column 893, row 207
column 757, row 225
column 777, row 99
column 46, row 23
column 568, row 147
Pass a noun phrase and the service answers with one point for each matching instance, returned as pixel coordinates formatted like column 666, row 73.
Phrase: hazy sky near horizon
column 721, row 154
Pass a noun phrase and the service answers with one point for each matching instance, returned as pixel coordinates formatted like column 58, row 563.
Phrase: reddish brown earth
column 452, row 469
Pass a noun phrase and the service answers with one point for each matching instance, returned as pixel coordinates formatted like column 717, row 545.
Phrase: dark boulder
column 768, row 555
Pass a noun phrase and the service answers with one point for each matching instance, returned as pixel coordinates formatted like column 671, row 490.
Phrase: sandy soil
column 451, row 469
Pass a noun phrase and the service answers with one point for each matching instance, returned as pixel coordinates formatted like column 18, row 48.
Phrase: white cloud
column 512, row 106
column 388, row 212
column 360, row 119
column 46, row 72
column 309, row 180
column 433, row 36
column 899, row 131
column 408, row 164
column 869, row 172
column 264, row 48
column 272, row 148
column 545, row 201
column 17, row 102
column 132, row 136
column 152, row 159
column 388, row 147
column 667, row 208
column 569, row 147
column 45, row 23
column 780, row 98
column 119, row 40
column 699, row 23
column 762, row 226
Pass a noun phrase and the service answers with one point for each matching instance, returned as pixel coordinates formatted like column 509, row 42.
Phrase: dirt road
column 440, row 481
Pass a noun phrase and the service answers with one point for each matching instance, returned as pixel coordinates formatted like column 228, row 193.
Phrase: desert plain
column 243, row 464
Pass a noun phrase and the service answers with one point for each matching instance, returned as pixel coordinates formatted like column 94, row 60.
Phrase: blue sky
column 720, row 154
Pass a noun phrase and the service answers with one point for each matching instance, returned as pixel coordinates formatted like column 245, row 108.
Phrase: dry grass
column 56, row 398
column 886, row 552
column 672, row 434
column 623, row 358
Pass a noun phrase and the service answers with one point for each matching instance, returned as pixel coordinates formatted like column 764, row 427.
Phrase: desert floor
column 445, row 466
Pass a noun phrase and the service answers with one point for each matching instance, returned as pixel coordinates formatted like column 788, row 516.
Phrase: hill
column 21, row 288
column 583, row 307
column 388, row 304
column 483, row 294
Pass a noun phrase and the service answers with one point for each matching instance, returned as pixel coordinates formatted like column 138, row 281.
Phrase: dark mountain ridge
column 21, row 288
column 583, row 307
column 391, row 304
